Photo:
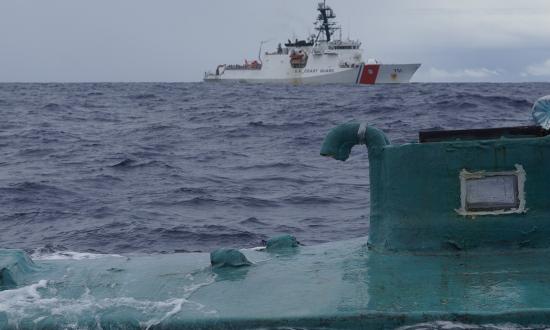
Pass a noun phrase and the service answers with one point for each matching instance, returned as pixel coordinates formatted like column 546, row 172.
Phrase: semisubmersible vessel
column 459, row 231
column 322, row 58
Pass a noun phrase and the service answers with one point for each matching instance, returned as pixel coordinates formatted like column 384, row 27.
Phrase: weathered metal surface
column 481, row 134
column 416, row 191
column 335, row 285
column 413, row 205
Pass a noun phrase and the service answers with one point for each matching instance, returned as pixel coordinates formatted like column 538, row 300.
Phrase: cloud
column 109, row 43
column 537, row 69
column 469, row 74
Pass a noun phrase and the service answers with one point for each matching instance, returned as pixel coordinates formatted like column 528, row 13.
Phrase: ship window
column 492, row 192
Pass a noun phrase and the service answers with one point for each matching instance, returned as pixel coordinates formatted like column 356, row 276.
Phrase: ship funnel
column 341, row 139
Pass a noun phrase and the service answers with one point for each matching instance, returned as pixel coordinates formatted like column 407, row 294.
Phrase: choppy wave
column 70, row 255
column 129, row 168
column 90, row 312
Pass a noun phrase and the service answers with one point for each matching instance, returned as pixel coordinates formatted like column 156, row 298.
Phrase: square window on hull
column 490, row 193
column 484, row 193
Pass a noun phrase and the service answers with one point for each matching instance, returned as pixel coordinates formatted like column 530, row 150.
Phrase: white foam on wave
column 191, row 288
column 14, row 302
column 71, row 255
column 176, row 303
column 26, row 293
column 39, row 300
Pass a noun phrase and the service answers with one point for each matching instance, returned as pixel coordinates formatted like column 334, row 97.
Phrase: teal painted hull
column 335, row 285
column 459, row 231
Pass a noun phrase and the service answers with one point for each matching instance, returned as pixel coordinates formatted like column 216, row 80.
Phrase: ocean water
column 162, row 168
column 91, row 171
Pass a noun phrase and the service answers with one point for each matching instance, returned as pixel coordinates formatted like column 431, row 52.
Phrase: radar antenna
column 325, row 23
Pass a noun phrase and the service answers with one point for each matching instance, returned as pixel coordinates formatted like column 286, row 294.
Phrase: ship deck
column 333, row 285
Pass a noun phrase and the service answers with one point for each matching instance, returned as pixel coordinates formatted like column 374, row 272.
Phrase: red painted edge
column 370, row 72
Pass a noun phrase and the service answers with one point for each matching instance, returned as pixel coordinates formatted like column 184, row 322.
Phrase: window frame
column 466, row 175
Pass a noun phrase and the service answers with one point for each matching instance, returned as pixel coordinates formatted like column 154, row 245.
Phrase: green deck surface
column 334, row 285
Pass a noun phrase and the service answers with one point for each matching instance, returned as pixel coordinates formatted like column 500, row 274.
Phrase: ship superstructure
column 321, row 58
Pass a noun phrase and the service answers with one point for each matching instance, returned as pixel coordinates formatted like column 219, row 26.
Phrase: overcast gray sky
column 177, row 40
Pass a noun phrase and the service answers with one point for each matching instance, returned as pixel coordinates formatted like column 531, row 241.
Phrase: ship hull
column 366, row 74
column 338, row 285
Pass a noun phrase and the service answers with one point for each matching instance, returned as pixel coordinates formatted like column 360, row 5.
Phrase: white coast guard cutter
column 319, row 59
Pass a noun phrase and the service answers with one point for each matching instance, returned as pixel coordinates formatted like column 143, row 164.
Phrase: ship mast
column 324, row 23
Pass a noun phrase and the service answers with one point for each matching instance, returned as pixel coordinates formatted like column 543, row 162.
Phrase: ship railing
column 349, row 65
column 243, row 67
column 284, row 51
